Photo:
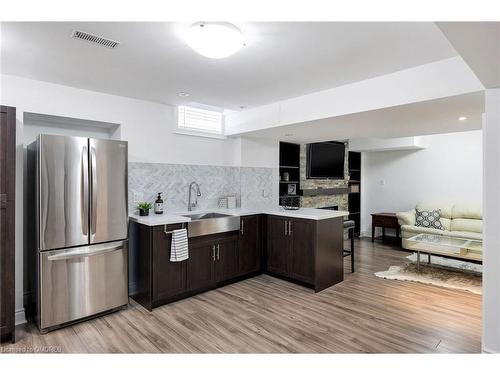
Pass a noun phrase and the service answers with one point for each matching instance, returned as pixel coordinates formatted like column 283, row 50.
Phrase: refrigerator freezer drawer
column 82, row 281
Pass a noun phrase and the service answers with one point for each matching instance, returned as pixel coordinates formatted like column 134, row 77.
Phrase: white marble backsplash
column 253, row 187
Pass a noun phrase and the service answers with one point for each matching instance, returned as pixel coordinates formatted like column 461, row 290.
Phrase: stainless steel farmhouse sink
column 211, row 223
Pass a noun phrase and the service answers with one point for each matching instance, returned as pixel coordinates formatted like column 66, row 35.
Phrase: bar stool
column 349, row 225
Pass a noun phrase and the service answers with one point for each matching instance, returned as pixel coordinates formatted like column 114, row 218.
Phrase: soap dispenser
column 159, row 205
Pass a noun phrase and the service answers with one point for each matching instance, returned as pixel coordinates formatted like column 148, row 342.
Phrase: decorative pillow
column 428, row 219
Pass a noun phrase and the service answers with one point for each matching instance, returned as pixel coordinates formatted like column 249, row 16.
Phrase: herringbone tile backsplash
column 253, row 187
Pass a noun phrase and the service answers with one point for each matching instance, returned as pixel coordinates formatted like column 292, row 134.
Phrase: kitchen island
column 304, row 246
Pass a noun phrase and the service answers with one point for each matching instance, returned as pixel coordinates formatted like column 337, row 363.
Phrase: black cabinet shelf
column 354, row 197
column 290, row 164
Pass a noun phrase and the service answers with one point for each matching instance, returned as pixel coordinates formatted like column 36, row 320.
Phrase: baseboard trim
column 132, row 288
column 489, row 351
column 20, row 317
column 365, row 234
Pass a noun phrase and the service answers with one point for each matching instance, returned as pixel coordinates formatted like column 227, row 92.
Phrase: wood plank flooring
column 267, row 315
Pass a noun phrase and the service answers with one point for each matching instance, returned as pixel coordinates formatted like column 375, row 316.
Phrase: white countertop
column 176, row 217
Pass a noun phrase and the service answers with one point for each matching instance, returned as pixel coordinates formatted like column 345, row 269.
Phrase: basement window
column 200, row 121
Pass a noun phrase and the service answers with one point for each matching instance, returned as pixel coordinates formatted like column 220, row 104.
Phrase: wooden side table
column 385, row 220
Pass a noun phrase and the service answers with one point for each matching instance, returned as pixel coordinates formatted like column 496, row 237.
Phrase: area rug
column 443, row 272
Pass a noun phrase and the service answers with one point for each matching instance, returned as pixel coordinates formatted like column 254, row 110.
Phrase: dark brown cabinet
column 306, row 251
column 250, row 249
column 278, row 245
column 291, row 248
column 301, row 235
column 7, row 220
column 201, row 265
column 226, row 261
column 213, row 261
column 169, row 278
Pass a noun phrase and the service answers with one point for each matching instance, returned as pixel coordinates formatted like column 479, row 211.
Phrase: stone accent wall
column 319, row 201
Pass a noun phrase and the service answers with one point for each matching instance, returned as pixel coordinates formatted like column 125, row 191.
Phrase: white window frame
column 196, row 132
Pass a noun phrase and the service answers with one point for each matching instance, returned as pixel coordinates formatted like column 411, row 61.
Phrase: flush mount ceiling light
column 183, row 94
column 462, row 118
column 215, row 40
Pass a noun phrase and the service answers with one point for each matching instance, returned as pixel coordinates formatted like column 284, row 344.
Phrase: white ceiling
column 479, row 45
column 280, row 61
column 422, row 118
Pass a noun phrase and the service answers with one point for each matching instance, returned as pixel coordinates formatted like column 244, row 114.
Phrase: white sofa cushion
column 406, row 218
column 446, row 223
column 467, row 235
column 446, row 208
column 412, row 230
column 408, row 231
column 467, row 225
column 467, row 211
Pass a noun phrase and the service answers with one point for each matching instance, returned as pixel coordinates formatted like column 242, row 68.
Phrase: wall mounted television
column 325, row 160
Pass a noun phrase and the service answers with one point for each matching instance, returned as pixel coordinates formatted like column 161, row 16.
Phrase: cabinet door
column 7, row 219
column 200, row 265
column 303, row 245
column 277, row 245
column 169, row 278
column 249, row 245
column 227, row 258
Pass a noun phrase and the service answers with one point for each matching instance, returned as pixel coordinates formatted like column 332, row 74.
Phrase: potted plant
column 144, row 208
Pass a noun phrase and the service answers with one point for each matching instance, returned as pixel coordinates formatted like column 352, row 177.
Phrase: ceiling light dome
column 215, row 40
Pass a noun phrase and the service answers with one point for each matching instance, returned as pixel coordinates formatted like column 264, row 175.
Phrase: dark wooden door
column 226, row 264
column 7, row 219
column 302, row 249
column 277, row 245
column 201, row 264
column 249, row 244
column 169, row 278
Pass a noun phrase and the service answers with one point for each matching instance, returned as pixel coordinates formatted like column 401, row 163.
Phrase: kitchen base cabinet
column 155, row 280
column 302, row 234
column 200, row 265
column 306, row 251
column 226, row 261
column 250, row 248
column 169, row 278
column 278, row 245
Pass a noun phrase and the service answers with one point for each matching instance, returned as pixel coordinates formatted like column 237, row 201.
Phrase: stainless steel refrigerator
column 81, row 226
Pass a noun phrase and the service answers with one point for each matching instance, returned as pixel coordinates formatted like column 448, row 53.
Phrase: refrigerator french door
column 82, row 228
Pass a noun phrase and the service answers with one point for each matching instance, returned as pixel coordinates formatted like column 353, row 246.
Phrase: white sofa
column 459, row 220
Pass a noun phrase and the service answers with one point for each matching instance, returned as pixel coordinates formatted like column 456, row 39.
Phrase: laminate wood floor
column 267, row 315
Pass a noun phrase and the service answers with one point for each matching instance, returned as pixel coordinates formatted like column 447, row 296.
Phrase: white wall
column 491, row 212
column 147, row 126
column 450, row 168
column 257, row 152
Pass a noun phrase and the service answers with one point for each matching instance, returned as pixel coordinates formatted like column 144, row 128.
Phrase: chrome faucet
column 198, row 194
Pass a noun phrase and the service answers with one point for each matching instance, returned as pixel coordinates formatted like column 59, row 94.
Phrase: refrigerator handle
column 93, row 192
column 84, row 192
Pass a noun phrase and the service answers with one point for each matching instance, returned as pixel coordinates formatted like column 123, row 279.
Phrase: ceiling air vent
column 91, row 38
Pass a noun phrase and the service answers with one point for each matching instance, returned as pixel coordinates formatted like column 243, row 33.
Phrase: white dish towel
column 179, row 250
